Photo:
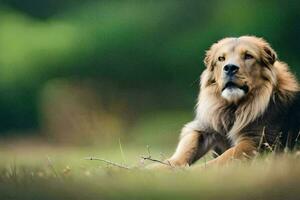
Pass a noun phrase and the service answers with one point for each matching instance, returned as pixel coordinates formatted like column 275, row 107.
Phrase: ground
column 54, row 172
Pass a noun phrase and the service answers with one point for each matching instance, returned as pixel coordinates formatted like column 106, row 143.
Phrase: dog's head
column 238, row 66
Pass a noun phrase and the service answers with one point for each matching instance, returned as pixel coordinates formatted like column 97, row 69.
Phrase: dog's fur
column 261, row 107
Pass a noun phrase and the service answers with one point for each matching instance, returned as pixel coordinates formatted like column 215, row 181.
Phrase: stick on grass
column 155, row 160
column 108, row 162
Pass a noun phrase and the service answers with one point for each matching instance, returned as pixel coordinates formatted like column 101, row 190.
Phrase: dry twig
column 109, row 162
column 155, row 160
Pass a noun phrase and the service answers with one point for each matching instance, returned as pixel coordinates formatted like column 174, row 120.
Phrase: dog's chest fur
column 226, row 119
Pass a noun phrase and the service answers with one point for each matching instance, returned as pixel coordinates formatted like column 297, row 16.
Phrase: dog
column 248, row 102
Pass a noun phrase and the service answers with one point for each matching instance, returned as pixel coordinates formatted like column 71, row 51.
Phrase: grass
column 62, row 173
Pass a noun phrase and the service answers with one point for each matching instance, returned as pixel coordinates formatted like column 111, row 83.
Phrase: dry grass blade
column 261, row 140
column 12, row 173
column 297, row 138
column 51, row 166
column 215, row 154
column 121, row 150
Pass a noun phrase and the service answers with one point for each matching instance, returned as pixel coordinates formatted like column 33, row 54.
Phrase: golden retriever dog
column 248, row 101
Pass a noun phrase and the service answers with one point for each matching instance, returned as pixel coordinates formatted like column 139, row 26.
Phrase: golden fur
column 233, row 121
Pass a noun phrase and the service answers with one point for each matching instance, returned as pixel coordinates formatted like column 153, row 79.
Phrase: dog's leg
column 191, row 147
column 244, row 149
column 186, row 150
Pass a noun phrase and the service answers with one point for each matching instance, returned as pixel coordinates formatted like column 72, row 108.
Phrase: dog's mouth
column 232, row 85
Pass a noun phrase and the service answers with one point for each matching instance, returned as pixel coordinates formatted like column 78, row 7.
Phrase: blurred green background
column 85, row 72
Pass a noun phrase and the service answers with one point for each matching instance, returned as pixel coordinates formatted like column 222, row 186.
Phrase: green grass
column 62, row 173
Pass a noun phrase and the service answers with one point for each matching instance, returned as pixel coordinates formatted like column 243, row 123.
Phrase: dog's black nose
column 230, row 69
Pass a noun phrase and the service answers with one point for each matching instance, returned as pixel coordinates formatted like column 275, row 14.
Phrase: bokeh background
column 104, row 73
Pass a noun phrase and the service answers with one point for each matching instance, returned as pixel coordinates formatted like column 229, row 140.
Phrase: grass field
column 48, row 172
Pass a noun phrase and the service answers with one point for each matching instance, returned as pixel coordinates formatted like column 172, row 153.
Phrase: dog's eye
column 221, row 58
column 248, row 56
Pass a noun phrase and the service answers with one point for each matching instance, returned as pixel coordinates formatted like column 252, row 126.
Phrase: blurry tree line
column 134, row 56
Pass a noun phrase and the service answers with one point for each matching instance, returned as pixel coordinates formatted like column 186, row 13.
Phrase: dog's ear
column 208, row 60
column 207, row 78
column 269, row 56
